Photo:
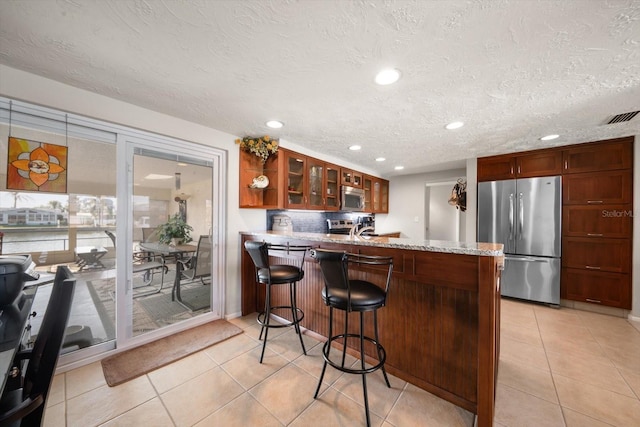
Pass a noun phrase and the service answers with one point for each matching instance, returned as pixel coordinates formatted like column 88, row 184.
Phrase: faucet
column 352, row 232
column 363, row 229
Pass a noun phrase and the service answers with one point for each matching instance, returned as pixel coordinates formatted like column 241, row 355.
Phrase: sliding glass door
column 172, row 258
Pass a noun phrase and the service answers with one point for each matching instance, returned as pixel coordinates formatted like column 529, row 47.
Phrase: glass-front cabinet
column 351, row 178
column 332, row 197
column 316, row 183
column 367, row 186
column 296, row 181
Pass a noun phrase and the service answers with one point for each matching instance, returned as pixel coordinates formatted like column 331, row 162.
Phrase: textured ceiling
column 513, row 71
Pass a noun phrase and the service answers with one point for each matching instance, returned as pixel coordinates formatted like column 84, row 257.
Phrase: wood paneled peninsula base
column 441, row 325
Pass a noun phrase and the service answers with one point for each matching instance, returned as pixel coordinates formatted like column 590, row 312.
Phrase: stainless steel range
column 340, row 226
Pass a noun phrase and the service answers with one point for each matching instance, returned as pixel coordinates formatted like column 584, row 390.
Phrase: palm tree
column 23, row 197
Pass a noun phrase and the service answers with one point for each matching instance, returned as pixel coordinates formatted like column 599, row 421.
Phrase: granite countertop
column 464, row 248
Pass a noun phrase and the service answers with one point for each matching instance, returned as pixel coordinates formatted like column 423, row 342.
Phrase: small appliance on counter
column 282, row 223
column 14, row 271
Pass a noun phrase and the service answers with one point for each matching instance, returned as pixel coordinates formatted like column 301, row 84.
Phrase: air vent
column 624, row 117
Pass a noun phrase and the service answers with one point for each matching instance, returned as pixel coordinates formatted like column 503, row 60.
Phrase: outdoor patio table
column 178, row 251
column 89, row 256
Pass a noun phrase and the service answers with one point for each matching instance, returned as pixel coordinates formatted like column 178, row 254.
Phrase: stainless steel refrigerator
column 525, row 216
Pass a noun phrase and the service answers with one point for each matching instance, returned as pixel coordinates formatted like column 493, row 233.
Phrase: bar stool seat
column 348, row 295
column 279, row 274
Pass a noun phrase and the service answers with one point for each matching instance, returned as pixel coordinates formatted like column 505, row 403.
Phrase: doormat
column 138, row 361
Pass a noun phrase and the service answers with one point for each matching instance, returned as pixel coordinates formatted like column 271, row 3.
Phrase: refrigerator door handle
column 520, row 215
column 511, row 217
column 525, row 259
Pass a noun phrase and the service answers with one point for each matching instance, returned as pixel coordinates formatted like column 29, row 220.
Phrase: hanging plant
column 262, row 146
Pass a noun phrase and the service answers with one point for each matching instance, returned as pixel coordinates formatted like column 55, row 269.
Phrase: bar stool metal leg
column 294, row 314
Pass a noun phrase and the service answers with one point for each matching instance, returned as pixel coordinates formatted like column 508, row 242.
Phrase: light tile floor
column 558, row 367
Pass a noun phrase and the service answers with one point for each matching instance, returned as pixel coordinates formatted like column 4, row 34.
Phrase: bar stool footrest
column 380, row 349
column 263, row 321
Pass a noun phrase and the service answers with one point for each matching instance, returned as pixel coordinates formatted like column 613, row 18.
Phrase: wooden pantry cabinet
column 597, row 193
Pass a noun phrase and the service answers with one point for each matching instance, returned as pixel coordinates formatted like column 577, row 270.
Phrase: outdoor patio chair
column 148, row 264
column 198, row 265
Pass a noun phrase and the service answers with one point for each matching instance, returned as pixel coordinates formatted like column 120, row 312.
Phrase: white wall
column 443, row 220
column 38, row 90
column 407, row 202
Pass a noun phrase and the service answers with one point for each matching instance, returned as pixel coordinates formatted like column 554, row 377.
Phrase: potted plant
column 262, row 147
column 175, row 231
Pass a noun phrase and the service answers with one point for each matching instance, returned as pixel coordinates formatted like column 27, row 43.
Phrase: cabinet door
column 611, row 289
column 612, row 221
column 609, row 187
column 316, row 184
column 368, row 186
column 597, row 254
column 547, row 163
column 351, row 178
column 384, row 196
column 332, row 174
column 595, row 157
column 296, row 181
column 496, row 168
column 377, row 195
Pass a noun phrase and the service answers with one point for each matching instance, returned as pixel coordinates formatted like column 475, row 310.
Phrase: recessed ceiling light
column 454, row 125
column 386, row 77
column 549, row 137
column 380, row 159
column 399, row 168
column 355, row 148
column 274, row 124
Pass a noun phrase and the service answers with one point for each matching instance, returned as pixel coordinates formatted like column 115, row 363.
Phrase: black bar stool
column 269, row 275
column 352, row 295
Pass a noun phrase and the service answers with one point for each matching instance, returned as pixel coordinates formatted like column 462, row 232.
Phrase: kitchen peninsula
column 441, row 325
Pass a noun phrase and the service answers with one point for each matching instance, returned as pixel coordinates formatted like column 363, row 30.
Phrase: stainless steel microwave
column 352, row 199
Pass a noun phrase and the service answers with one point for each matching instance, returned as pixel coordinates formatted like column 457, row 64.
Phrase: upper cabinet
column 376, row 194
column 311, row 183
column 253, row 193
column 599, row 156
column 510, row 166
column 351, row 178
column 296, row 181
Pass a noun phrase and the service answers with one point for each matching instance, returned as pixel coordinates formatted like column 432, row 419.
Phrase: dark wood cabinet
column 596, row 287
column 597, row 227
column 510, row 166
column 598, row 188
column 332, row 201
column 597, row 254
column 599, row 156
column 612, row 221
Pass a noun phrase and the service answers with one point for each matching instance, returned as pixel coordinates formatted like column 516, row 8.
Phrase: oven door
column 352, row 199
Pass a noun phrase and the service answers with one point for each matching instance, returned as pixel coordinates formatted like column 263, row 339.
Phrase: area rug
column 138, row 361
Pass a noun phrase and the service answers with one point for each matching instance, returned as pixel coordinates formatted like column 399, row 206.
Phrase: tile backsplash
column 311, row 222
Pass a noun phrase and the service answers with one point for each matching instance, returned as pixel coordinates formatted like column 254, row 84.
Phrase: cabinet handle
column 594, row 234
column 518, row 168
column 594, row 202
column 511, row 170
column 594, row 300
column 591, row 267
column 566, row 164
